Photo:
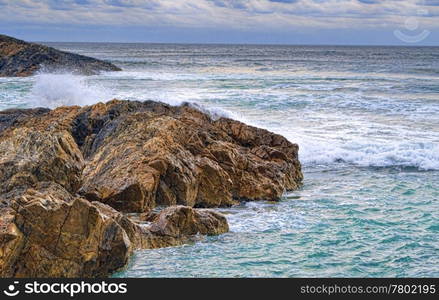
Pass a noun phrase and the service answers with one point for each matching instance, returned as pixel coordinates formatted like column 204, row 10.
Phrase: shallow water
column 366, row 120
column 378, row 223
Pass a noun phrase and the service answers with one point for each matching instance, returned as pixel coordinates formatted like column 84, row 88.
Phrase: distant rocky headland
column 19, row 58
column 83, row 187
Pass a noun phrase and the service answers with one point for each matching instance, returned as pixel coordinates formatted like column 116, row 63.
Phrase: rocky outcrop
column 47, row 232
column 79, row 184
column 19, row 58
column 140, row 155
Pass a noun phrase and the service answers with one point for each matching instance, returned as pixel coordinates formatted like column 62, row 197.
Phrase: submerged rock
column 19, row 58
column 71, row 179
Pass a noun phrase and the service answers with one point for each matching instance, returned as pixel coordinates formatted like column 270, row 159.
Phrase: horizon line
column 237, row 44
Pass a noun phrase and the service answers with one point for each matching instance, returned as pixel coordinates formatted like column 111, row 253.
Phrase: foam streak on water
column 366, row 120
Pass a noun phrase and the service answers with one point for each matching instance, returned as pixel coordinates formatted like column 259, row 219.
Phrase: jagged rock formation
column 69, row 177
column 19, row 58
column 47, row 232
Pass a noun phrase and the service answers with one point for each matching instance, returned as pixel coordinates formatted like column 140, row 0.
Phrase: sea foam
column 422, row 156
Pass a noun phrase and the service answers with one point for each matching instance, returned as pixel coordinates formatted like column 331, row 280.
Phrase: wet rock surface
column 79, row 184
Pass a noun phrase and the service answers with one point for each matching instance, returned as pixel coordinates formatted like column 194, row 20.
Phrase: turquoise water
column 366, row 120
column 382, row 223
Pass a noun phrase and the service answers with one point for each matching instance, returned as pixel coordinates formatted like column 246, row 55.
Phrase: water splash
column 53, row 90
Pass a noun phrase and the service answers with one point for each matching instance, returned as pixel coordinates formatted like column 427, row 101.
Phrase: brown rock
column 47, row 232
column 139, row 155
column 71, row 179
column 53, row 234
column 39, row 150
column 146, row 154
column 179, row 221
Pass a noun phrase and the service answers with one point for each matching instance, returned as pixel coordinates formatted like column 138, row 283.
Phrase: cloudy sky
column 365, row 22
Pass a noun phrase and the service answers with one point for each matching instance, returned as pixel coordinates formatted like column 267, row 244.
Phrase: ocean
column 367, row 123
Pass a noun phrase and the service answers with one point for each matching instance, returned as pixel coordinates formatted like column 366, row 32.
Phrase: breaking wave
column 53, row 90
column 422, row 156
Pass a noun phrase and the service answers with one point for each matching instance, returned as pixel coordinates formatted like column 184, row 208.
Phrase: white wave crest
column 53, row 90
column 422, row 156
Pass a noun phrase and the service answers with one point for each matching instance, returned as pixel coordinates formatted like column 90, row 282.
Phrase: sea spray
column 53, row 90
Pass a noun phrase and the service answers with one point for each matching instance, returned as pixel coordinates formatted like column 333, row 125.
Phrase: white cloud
column 234, row 14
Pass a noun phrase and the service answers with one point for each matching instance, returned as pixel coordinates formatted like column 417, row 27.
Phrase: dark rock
column 13, row 117
column 19, row 58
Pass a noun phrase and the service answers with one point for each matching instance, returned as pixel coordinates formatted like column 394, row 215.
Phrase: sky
column 333, row 22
